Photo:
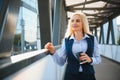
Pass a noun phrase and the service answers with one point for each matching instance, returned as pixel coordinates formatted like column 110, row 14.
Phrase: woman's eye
column 77, row 20
column 72, row 20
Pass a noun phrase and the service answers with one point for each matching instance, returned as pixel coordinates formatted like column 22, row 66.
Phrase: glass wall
column 26, row 36
column 118, row 30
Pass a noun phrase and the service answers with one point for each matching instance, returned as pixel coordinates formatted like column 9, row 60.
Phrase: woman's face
column 76, row 23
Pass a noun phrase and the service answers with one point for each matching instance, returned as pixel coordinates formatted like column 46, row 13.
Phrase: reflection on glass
column 26, row 31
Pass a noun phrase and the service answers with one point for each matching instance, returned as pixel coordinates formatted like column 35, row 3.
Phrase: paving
column 107, row 70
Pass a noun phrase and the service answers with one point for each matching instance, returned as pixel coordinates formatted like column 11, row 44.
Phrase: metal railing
column 21, row 61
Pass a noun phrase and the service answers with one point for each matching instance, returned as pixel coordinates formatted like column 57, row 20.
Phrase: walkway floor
column 107, row 70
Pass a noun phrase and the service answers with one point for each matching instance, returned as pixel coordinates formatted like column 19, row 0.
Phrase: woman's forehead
column 76, row 16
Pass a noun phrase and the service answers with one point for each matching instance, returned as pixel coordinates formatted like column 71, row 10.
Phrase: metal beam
column 101, row 34
column 9, row 28
column 56, row 21
column 96, row 33
column 3, row 13
column 93, row 8
column 110, row 29
column 108, row 35
column 115, row 14
column 28, row 6
column 44, row 20
column 112, row 2
column 86, row 2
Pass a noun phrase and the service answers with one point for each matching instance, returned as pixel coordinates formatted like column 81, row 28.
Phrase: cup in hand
column 79, row 54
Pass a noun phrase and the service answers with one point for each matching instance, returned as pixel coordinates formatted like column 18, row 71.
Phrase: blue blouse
column 78, row 46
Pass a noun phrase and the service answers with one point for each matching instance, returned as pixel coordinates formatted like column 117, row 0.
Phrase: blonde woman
column 79, row 48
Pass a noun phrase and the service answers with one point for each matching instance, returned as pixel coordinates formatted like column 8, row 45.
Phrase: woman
column 79, row 48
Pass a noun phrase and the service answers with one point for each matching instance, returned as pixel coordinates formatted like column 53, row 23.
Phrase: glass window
column 118, row 30
column 105, row 28
column 26, row 31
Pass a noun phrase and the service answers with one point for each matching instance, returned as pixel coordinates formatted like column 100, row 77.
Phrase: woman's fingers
column 50, row 47
column 83, row 62
column 85, row 58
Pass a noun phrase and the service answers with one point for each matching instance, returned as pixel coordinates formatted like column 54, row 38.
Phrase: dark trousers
column 79, row 76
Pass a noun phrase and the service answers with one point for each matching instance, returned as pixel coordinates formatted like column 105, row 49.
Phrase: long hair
column 85, row 25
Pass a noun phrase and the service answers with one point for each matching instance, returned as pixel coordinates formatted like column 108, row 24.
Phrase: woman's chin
column 76, row 30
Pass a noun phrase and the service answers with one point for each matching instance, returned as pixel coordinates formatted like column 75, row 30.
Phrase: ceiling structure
column 98, row 12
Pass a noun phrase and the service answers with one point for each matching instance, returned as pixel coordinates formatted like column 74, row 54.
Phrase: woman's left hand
column 85, row 58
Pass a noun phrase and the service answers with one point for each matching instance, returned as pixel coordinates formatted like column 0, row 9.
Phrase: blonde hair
column 85, row 26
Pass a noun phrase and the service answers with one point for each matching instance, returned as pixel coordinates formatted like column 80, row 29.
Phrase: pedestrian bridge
column 27, row 25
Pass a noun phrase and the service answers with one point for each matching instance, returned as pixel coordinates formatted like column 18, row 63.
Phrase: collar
column 85, row 36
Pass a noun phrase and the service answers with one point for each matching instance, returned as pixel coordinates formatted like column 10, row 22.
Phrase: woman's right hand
column 50, row 47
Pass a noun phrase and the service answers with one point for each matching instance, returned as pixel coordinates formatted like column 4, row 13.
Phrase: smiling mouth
column 75, row 26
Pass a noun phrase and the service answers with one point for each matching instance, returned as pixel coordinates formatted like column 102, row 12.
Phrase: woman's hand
column 50, row 47
column 85, row 58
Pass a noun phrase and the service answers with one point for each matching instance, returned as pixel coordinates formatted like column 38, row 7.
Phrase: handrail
column 20, row 61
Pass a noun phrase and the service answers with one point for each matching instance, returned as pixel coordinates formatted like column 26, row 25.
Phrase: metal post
column 22, row 35
column 56, row 22
column 112, row 32
column 44, row 20
column 38, row 34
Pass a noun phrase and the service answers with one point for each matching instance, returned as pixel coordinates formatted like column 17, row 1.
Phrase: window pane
column 26, row 31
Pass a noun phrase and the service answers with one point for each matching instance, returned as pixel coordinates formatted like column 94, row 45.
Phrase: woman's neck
column 78, row 35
